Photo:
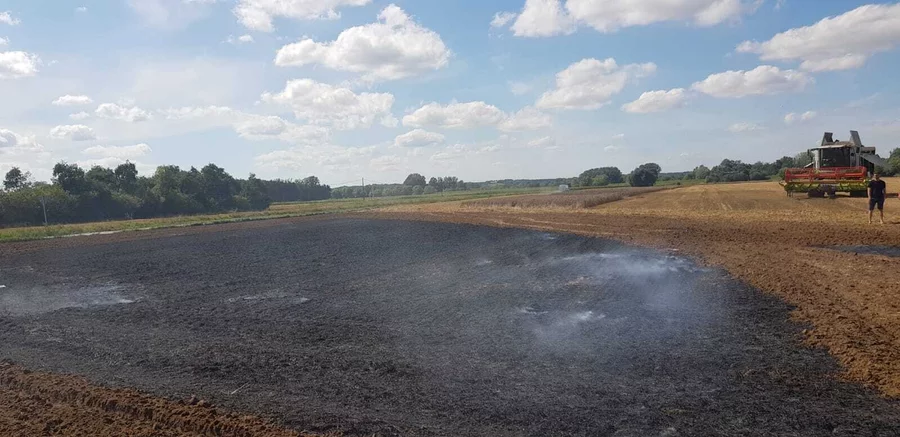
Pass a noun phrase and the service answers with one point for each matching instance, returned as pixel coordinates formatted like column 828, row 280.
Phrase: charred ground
column 412, row 328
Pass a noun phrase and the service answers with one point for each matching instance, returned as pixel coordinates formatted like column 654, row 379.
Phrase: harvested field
column 372, row 327
column 568, row 199
column 779, row 244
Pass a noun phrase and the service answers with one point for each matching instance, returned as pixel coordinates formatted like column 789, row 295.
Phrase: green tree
column 613, row 176
column 701, row 172
column 254, row 190
column 644, row 176
column 600, row 181
column 126, row 177
column 415, row 179
column 16, row 179
column 70, row 177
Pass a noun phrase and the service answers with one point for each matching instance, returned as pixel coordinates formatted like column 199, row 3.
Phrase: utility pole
column 44, row 207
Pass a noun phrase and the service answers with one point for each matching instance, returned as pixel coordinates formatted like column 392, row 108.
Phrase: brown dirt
column 568, row 199
column 33, row 404
column 761, row 236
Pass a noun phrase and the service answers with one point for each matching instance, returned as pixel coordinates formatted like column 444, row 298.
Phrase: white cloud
column 618, row 137
column 542, row 143
column 764, row 79
column 780, row 4
column 387, row 163
column 120, row 152
column 262, row 127
column 656, row 101
column 419, row 138
column 744, row 127
column 543, row 18
column 114, row 111
column 321, row 103
column 12, row 142
column 476, row 114
column 501, row 19
column 834, row 43
column 7, row 18
column 79, row 115
column 455, row 116
column 591, row 83
column 327, row 156
column 259, row 14
column 70, row 100
column 793, row 117
column 253, row 127
column 550, row 17
column 75, row 132
column 519, row 88
column 81, row 9
column 4, row 41
column 393, row 48
column 526, row 119
column 243, row 39
column 16, row 65
column 612, row 148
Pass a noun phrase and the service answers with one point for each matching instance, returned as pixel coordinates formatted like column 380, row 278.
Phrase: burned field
column 412, row 328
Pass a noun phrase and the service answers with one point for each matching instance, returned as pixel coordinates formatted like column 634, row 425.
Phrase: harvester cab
column 835, row 167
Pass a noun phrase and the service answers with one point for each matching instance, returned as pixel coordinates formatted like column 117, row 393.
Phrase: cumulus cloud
column 540, row 18
column 243, row 39
column 74, row 132
column 764, row 79
column 325, row 104
column 7, row 18
column 543, row 18
column 793, row 117
column 455, row 115
column 259, row 14
column 113, row 111
column 519, row 88
column 69, row 100
column 526, row 119
column 4, row 41
column 419, row 138
column 16, row 65
column 744, row 127
column 657, row 101
column 834, row 43
column 119, row 152
column 501, row 19
column 393, row 48
column 591, row 83
column 11, row 141
column 268, row 127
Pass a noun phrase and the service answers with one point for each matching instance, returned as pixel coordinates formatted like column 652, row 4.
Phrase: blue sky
column 346, row 89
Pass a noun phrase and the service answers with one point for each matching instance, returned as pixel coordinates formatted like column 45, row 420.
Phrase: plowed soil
column 779, row 244
column 386, row 327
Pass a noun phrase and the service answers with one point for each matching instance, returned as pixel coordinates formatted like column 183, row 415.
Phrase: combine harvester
column 836, row 167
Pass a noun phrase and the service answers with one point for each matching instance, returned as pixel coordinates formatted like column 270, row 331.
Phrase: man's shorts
column 876, row 202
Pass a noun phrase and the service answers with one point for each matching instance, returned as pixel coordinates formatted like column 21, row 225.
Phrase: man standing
column 877, row 193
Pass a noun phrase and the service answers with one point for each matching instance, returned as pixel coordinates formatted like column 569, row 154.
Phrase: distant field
column 572, row 199
column 277, row 210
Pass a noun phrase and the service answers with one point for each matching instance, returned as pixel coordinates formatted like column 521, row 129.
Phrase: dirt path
column 41, row 404
column 765, row 238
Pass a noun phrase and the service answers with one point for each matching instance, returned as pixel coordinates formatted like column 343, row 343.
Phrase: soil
column 385, row 327
column 779, row 244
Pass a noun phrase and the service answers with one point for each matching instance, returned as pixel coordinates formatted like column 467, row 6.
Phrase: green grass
column 276, row 210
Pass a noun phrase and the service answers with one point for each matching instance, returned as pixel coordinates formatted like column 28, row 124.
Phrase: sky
column 481, row 90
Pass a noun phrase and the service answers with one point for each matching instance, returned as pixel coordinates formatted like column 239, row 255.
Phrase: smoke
column 43, row 299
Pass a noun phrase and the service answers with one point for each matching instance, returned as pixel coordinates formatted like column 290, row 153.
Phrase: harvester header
column 836, row 167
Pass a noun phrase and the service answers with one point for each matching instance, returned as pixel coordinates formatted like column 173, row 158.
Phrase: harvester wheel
column 815, row 193
column 858, row 193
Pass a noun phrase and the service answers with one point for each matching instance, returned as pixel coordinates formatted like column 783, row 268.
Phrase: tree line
column 414, row 185
column 76, row 195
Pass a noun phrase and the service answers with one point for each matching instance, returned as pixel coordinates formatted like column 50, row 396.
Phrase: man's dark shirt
column 878, row 189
